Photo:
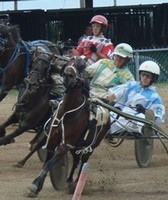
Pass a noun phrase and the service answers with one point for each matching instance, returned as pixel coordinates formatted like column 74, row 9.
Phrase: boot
column 147, row 129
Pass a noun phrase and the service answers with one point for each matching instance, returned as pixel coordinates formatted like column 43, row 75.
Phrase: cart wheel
column 59, row 174
column 143, row 151
column 42, row 153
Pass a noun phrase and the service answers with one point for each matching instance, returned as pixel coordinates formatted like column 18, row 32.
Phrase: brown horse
column 72, row 128
column 16, row 56
column 32, row 109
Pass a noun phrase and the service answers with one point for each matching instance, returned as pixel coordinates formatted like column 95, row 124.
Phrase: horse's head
column 73, row 72
column 40, row 72
column 37, row 83
column 8, row 35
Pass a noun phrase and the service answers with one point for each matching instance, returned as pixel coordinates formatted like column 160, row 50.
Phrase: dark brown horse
column 16, row 56
column 32, row 109
column 72, row 128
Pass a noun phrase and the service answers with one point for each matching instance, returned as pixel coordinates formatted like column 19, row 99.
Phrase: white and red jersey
column 102, row 44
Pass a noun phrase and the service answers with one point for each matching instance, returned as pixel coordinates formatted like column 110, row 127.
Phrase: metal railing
column 160, row 56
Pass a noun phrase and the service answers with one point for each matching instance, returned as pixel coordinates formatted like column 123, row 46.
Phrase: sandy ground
column 113, row 175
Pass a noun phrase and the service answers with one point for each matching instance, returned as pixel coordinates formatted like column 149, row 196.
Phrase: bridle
column 35, row 74
column 72, row 77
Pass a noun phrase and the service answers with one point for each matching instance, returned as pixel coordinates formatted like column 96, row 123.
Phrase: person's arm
column 91, row 69
column 94, row 49
column 74, row 52
column 100, row 55
column 118, row 94
column 79, row 49
column 111, row 97
column 107, row 50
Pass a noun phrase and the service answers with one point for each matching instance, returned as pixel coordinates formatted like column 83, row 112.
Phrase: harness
column 16, row 53
column 61, row 122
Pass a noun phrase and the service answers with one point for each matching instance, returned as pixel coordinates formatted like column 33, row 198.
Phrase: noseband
column 72, row 77
column 40, row 78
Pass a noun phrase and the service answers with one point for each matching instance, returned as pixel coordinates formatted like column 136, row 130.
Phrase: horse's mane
column 12, row 30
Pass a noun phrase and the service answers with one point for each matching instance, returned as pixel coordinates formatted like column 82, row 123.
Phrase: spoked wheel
column 42, row 153
column 59, row 174
column 144, row 151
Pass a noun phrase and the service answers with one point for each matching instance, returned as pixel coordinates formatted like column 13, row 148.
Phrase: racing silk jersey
column 104, row 74
column 102, row 44
column 130, row 94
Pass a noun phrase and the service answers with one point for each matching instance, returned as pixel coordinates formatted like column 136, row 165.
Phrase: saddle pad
column 102, row 115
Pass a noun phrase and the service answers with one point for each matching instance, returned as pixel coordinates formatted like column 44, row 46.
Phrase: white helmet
column 151, row 67
column 124, row 50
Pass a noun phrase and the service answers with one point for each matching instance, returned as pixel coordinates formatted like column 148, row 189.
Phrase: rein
column 61, row 121
column 41, row 79
column 13, row 57
column 16, row 53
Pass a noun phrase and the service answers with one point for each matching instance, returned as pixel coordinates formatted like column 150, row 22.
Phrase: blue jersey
column 130, row 94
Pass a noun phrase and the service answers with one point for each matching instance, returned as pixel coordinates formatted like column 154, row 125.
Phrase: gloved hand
column 140, row 108
column 93, row 48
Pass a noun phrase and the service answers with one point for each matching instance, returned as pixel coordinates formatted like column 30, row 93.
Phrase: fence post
column 137, row 65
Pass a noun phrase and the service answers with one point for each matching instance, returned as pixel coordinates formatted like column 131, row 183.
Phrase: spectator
column 87, row 32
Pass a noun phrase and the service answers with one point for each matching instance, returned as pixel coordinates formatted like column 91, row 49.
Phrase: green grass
column 13, row 92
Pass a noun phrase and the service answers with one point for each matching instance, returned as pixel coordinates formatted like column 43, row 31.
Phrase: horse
column 72, row 127
column 32, row 108
column 16, row 56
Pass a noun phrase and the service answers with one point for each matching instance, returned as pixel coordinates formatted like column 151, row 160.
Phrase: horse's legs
column 72, row 185
column 84, row 159
column 6, row 139
column 36, row 139
column 11, row 120
column 36, row 147
column 33, row 142
column 76, row 159
column 37, row 184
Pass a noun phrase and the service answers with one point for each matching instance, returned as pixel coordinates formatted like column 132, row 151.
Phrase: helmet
column 99, row 19
column 151, row 67
column 124, row 50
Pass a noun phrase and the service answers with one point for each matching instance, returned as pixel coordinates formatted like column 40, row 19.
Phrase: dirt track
column 114, row 173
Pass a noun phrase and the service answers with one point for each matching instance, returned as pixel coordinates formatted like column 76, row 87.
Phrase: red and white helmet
column 99, row 19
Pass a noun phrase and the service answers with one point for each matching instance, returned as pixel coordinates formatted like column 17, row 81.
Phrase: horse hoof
column 18, row 164
column 9, row 141
column 2, row 132
column 71, row 188
column 31, row 146
column 31, row 194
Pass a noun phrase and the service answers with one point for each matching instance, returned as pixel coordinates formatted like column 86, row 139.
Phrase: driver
column 138, row 99
column 96, row 46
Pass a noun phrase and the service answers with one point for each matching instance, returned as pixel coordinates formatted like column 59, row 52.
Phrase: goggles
column 96, row 25
column 146, row 74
